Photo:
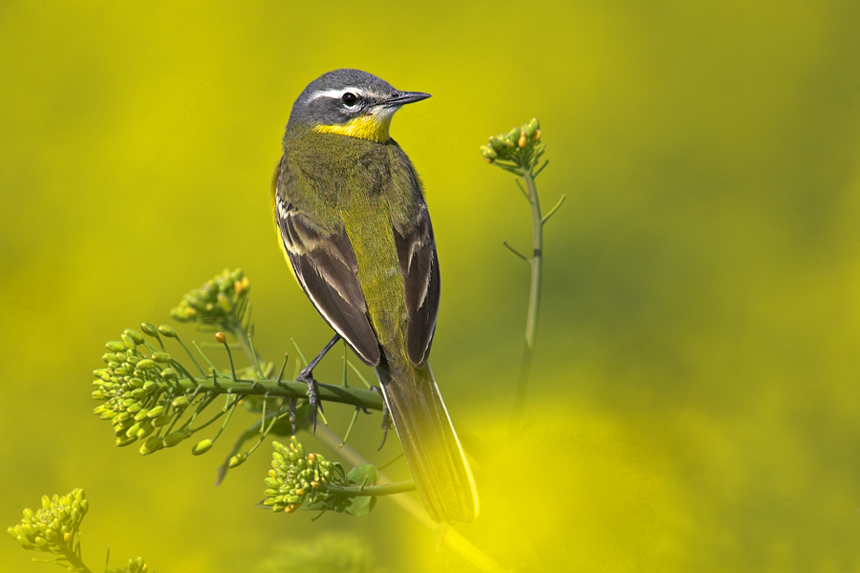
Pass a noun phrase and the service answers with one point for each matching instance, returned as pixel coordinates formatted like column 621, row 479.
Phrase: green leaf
column 365, row 474
column 359, row 506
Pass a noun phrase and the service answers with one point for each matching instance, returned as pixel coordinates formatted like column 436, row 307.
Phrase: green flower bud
column 202, row 447
column 115, row 346
column 167, row 330
column 237, row 460
column 224, row 302
column 149, row 329
column 156, row 412
column 180, row 402
column 134, row 335
column 145, row 429
column 151, row 445
column 146, row 364
column 160, row 357
column 162, row 420
column 173, row 439
column 109, row 358
column 529, row 130
column 128, row 342
column 122, row 442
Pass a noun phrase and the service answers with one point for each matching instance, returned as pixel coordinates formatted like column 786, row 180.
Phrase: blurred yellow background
column 695, row 402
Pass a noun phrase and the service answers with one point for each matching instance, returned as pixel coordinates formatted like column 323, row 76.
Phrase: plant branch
column 536, row 263
column 374, row 490
column 285, row 388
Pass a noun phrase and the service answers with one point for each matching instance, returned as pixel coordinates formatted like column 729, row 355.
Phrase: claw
column 307, row 376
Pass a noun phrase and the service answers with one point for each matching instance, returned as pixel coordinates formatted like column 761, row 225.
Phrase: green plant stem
column 247, row 347
column 374, row 490
column 453, row 540
column 287, row 388
column 75, row 562
column 536, row 263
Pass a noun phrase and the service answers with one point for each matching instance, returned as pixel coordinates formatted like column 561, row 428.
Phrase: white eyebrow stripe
column 336, row 94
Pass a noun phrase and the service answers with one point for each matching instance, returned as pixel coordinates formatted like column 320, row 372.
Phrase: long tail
column 429, row 441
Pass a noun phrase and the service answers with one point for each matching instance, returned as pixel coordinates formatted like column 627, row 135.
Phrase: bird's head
column 350, row 102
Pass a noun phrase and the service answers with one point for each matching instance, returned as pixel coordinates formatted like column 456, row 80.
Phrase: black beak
column 402, row 98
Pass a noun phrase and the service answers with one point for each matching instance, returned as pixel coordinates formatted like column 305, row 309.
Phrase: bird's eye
column 349, row 99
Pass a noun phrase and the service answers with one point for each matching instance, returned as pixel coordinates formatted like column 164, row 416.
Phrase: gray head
column 350, row 102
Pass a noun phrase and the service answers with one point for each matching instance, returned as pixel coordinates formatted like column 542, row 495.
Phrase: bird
column 354, row 226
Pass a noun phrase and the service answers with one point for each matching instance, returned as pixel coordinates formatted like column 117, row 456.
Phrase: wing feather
column 325, row 266
column 419, row 264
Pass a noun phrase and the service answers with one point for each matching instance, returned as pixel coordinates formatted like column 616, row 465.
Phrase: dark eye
column 349, row 99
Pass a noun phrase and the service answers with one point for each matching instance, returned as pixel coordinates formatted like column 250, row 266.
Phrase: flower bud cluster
column 517, row 150
column 297, row 478
column 218, row 302
column 54, row 527
column 134, row 566
column 138, row 391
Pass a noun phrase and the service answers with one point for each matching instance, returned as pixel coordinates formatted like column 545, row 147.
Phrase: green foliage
column 149, row 394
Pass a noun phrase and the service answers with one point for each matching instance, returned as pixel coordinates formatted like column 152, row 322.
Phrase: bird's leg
column 386, row 417
column 307, row 376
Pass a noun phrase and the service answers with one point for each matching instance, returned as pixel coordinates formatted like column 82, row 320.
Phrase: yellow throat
column 373, row 126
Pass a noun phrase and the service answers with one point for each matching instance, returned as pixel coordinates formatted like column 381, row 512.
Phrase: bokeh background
column 695, row 404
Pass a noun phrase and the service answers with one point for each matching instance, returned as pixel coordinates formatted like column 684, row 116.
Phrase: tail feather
column 433, row 452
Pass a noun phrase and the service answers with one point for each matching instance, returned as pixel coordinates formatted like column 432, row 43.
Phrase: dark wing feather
column 416, row 250
column 325, row 266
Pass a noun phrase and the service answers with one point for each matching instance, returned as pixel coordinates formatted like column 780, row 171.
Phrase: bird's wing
column 325, row 267
column 416, row 250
